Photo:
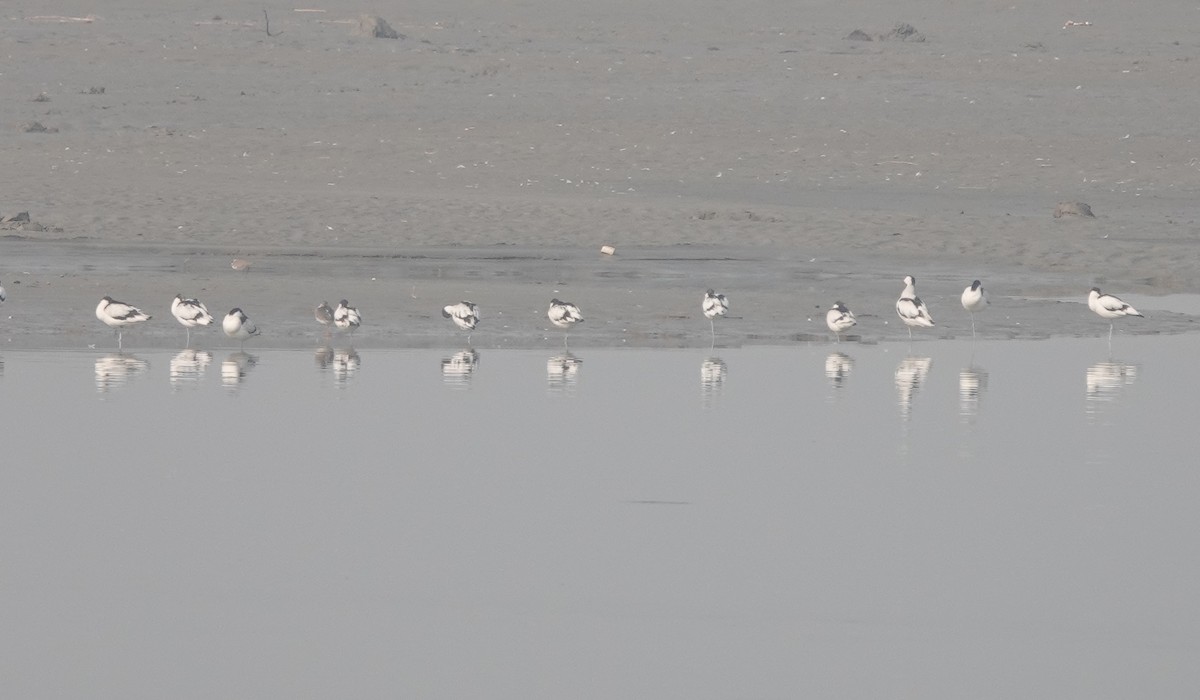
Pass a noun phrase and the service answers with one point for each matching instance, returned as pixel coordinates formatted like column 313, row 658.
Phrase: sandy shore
column 490, row 152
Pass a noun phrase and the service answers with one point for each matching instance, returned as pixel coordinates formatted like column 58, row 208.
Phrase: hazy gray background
column 633, row 537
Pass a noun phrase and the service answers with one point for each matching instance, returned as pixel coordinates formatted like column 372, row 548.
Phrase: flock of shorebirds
column 191, row 313
column 913, row 312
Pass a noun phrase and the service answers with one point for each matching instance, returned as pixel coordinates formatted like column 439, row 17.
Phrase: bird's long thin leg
column 189, row 338
column 119, row 345
column 972, row 325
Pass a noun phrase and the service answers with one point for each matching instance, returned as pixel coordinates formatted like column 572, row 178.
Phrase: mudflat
column 491, row 150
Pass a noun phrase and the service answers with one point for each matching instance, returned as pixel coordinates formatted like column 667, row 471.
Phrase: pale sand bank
column 493, row 151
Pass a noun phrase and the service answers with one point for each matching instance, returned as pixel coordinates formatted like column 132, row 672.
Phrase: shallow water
column 937, row 520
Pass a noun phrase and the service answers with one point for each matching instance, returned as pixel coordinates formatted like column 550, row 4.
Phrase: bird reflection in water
column 188, row 366
column 910, row 374
column 837, row 368
column 1105, row 381
column 324, row 355
column 712, row 379
column 345, row 365
column 972, row 383
column 116, row 370
column 235, row 367
column 459, row 367
column 562, row 373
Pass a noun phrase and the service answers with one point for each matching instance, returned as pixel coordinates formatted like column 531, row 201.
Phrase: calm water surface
column 1011, row 519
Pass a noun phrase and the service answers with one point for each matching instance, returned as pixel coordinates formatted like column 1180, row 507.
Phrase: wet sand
column 492, row 151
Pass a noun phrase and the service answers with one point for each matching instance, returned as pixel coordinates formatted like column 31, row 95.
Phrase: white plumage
column 118, row 315
column 2, row 295
column 1109, row 307
column 237, row 325
column 346, row 316
column 713, row 305
column 911, row 309
column 190, row 313
column 464, row 314
column 974, row 300
column 839, row 319
column 563, row 315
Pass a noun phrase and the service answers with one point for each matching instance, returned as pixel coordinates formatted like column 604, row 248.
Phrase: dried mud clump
column 1073, row 209
column 37, row 128
column 22, row 222
column 900, row 32
column 376, row 27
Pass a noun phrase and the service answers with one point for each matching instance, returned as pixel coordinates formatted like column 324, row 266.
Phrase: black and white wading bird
column 839, row 319
column 190, row 313
column 1109, row 307
column 237, row 325
column 910, row 308
column 118, row 315
column 974, row 300
column 464, row 314
column 563, row 315
column 714, row 305
column 346, row 317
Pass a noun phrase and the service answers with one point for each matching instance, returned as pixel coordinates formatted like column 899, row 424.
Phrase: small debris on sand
column 1073, row 209
column 608, row 250
column 376, row 27
column 240, row 264
column 901, row 32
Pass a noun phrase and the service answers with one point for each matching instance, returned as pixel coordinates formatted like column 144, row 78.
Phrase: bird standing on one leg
column 911, row 309
column 974, row 300
column 839, row 318
column 464, row 314
column 117, row 314
column 190, row 313
column 714, row 305
column 1109, row 307
column 563, row 315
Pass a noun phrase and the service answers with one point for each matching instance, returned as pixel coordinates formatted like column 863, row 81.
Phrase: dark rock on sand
column 1073, row 209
